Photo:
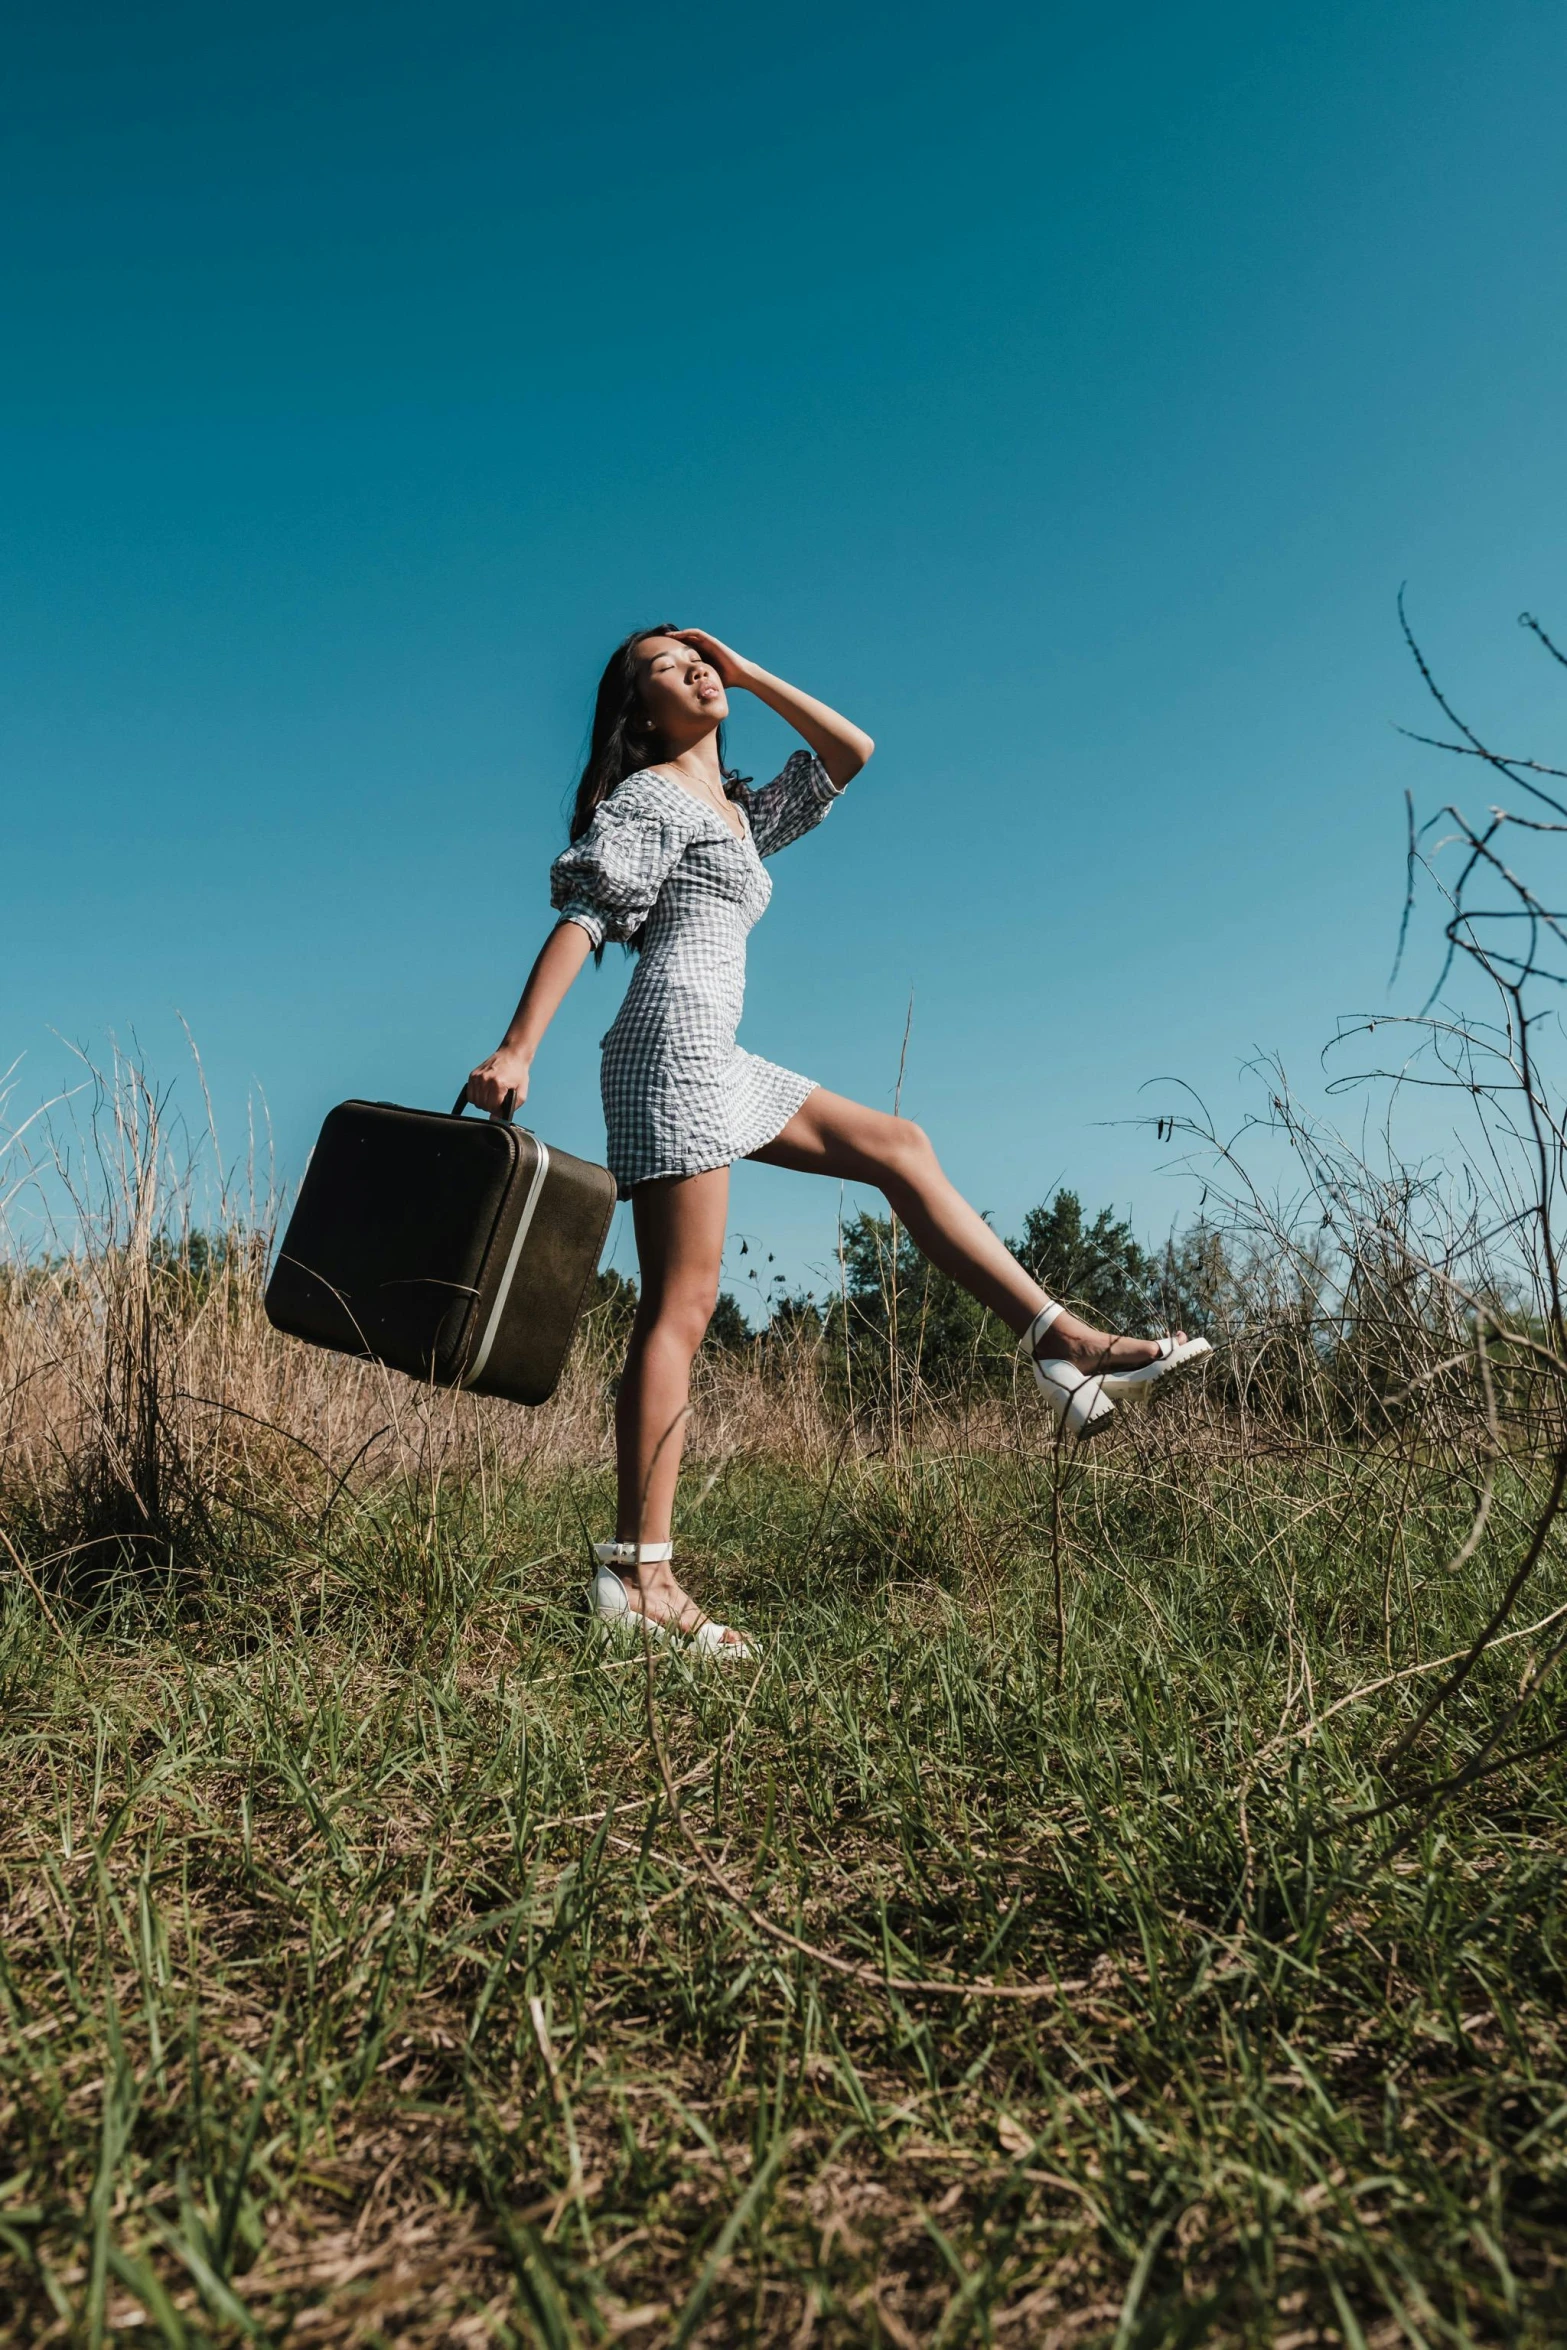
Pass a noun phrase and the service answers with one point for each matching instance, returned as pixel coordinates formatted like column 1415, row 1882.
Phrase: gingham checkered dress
column 657, row 869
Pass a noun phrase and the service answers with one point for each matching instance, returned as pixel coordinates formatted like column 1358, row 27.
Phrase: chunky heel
column 610, row 1602
column 608, row 1598
column 1078, row 1402
column 1077, row 1399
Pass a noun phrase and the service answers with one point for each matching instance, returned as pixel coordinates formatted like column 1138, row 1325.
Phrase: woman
column 666, row 857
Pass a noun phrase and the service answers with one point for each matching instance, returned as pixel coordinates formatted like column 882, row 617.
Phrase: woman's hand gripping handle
column 499, row 1085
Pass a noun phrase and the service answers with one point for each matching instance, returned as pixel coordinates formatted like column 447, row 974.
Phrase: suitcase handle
column 501, row 1117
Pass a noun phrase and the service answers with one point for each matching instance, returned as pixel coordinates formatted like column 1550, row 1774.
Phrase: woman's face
column 681, row 693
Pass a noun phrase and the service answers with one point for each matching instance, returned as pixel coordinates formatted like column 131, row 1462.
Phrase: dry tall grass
column 1084, row 1929
column 143, row 1393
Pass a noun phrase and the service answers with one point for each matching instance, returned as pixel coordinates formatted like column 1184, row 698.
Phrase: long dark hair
column 622, row 741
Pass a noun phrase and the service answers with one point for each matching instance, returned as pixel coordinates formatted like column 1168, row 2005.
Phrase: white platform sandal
column 1077, row 1399
column 610, row 1601
column 1169, row 1358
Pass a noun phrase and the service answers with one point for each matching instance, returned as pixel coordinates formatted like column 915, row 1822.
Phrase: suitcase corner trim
column 509, row 1271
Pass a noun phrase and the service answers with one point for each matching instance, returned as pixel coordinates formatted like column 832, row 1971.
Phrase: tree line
column 890, row 1304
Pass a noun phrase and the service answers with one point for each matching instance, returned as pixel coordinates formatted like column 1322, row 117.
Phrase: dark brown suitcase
column 455, row 1249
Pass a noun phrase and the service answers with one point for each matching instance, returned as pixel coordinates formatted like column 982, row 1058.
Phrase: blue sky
column 1064, row 393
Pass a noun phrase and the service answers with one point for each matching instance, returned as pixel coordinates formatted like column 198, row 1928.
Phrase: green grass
column 359, row 1985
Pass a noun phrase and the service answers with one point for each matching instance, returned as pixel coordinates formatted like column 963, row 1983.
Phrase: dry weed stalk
column 1417, row 1318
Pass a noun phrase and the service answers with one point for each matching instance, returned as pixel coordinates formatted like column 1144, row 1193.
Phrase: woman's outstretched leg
column 830, row 1135
column 680, row 1246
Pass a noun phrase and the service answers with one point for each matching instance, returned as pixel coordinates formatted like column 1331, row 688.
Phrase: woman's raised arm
column 842, row 747
column 507, row 1070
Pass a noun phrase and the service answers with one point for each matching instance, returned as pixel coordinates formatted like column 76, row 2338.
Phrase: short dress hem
column 625, row 1186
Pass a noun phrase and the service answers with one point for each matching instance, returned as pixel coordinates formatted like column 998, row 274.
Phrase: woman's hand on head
column 505, row 1072
column 732, row 667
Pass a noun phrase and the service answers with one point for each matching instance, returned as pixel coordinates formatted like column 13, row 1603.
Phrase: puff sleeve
column 798, row 797
column 607, row 881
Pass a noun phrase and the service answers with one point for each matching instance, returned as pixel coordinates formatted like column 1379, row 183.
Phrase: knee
column 909, row 1158
column 683, row 1313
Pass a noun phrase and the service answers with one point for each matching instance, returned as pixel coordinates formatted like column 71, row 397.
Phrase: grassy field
column 1069, row 1933
column 387, row 1962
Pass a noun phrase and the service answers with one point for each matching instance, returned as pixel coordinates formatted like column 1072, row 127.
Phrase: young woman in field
column 666, row 857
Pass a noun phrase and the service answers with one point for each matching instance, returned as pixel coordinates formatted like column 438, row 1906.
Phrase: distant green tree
column 1096, row 1268
column 1194, row 1286
column 728, row 1332
column 610, row 1304
column 944, row 1337
column 795, row 1320
column 192, row 1260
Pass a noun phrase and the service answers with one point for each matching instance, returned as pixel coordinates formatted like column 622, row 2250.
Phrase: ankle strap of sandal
column 632, row 1554
column 1039, row 1325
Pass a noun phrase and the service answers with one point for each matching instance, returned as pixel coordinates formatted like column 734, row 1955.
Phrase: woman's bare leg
column 829, row 1135
column 680, row 1246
